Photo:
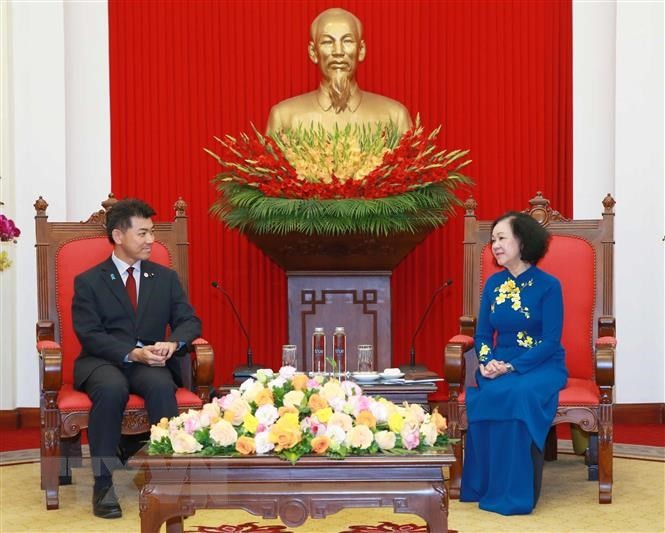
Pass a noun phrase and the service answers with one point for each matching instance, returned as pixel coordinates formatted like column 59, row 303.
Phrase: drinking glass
column 289, row 355
column 365, row 358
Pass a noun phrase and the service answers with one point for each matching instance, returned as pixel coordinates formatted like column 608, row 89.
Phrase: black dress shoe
column 105, row 503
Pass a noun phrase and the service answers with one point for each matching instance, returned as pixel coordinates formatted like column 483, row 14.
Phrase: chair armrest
column 454, row 362
column 605, row 354
column 50, row 366
column 45, row 330
column 203, row 368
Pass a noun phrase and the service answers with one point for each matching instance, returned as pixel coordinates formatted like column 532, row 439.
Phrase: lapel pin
column 145, row 274
column 113, row 277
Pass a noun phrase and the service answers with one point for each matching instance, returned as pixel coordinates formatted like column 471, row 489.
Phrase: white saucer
column 383, row 375
column 366, row 377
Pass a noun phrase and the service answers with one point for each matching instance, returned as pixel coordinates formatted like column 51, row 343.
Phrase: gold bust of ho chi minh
column 337, row 47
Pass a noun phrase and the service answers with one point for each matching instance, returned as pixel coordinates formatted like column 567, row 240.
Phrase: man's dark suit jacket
column 107, row 326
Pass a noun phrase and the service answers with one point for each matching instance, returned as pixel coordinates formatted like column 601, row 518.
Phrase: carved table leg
column 175, row 524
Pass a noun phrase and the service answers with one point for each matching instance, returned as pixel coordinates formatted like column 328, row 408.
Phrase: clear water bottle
column 339, row 352
column 318, row 351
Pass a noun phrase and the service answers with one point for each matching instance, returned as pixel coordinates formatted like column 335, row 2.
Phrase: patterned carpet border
column 254, row 527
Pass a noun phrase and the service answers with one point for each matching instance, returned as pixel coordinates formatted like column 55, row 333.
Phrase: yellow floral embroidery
column 525, row 341
column 483, row 353
column 509, row 290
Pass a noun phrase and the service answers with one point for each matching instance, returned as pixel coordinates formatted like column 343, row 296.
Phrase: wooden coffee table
column 176, row 486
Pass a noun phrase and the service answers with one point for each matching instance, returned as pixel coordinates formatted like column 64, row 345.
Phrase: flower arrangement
column 290, row 415
column 8, row 233
column 358, row 179
column 8, row 230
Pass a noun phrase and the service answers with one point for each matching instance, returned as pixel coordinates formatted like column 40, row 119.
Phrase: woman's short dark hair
column 534, row 238
column 121, row 213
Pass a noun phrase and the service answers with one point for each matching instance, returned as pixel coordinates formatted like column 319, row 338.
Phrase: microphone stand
column 243, row 371
column 412, row 366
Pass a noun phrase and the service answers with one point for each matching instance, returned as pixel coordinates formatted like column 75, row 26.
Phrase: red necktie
column 131, row 286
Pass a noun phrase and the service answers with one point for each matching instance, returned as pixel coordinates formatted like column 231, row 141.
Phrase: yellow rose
column 264, row 397
column 317, row 402
column 157, row 432
column 299, row 381
column 164, row 422
column 294, row 398
column 320, row 444
column 287, row 409
column 284, row 436
column 366, row 418
column 250, row 422
column 395, row 422
column 323, row 415
column 289, row 419
column 439, row 421
column 245, row 445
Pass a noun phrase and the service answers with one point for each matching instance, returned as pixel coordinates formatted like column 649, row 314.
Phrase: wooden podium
column 340, row 281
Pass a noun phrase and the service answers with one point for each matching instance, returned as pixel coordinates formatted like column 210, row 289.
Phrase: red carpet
column 645, row 434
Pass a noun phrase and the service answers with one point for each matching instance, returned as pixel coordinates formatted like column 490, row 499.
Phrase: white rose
column 267, row 414
column 250, row 392
column 264, row 374
column 263, row 445
column 277, row 382
column 336, row 434
column 212, row 409
column 429, row 433
column 222, row 433
column 359, row 437
column 183, row 442
column 294, row 398
column 342, row 420
column 331, row 390
column 378, row 409
column 287, row 372
column 385, row 439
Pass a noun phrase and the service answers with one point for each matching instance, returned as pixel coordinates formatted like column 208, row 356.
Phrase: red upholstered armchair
column 65, row 249
column 581, row 257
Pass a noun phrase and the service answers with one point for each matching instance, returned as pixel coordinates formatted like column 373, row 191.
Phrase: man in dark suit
column 121, row 310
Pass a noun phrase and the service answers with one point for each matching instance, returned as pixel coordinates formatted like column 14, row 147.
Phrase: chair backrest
column 580, row 255
column 65, row 249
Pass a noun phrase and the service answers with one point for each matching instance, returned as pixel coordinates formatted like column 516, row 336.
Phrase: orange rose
column 264, row 397
column 320, row 444
column 439, row 421
column 245, row 445
column 316, row 402
column 299, row 381
column 366, row 418
column 287, row 409
column 284, row 437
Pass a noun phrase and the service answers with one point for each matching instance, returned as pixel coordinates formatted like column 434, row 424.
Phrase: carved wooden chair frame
column 595, row 418
column 61, row 429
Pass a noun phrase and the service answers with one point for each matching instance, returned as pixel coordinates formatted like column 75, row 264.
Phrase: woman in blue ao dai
column 521, row 371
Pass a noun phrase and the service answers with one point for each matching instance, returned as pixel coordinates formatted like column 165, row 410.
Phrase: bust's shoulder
column 296, row 102
column 384, row 101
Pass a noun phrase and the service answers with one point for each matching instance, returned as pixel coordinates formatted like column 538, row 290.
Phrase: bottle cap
column 339, row 329
column 318, row 330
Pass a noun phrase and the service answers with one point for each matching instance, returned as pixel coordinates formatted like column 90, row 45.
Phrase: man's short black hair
column 533, row 237
column 120, row 215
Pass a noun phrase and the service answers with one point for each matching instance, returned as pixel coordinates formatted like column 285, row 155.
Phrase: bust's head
column 336, row 44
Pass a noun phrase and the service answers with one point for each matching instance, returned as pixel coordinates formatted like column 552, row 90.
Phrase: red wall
column 496, row 74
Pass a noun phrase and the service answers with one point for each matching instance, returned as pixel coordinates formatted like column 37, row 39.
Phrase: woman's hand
column 493, row 369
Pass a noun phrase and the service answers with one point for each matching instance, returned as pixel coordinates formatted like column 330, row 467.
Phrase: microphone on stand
column 412, row 367
column 250, row 368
